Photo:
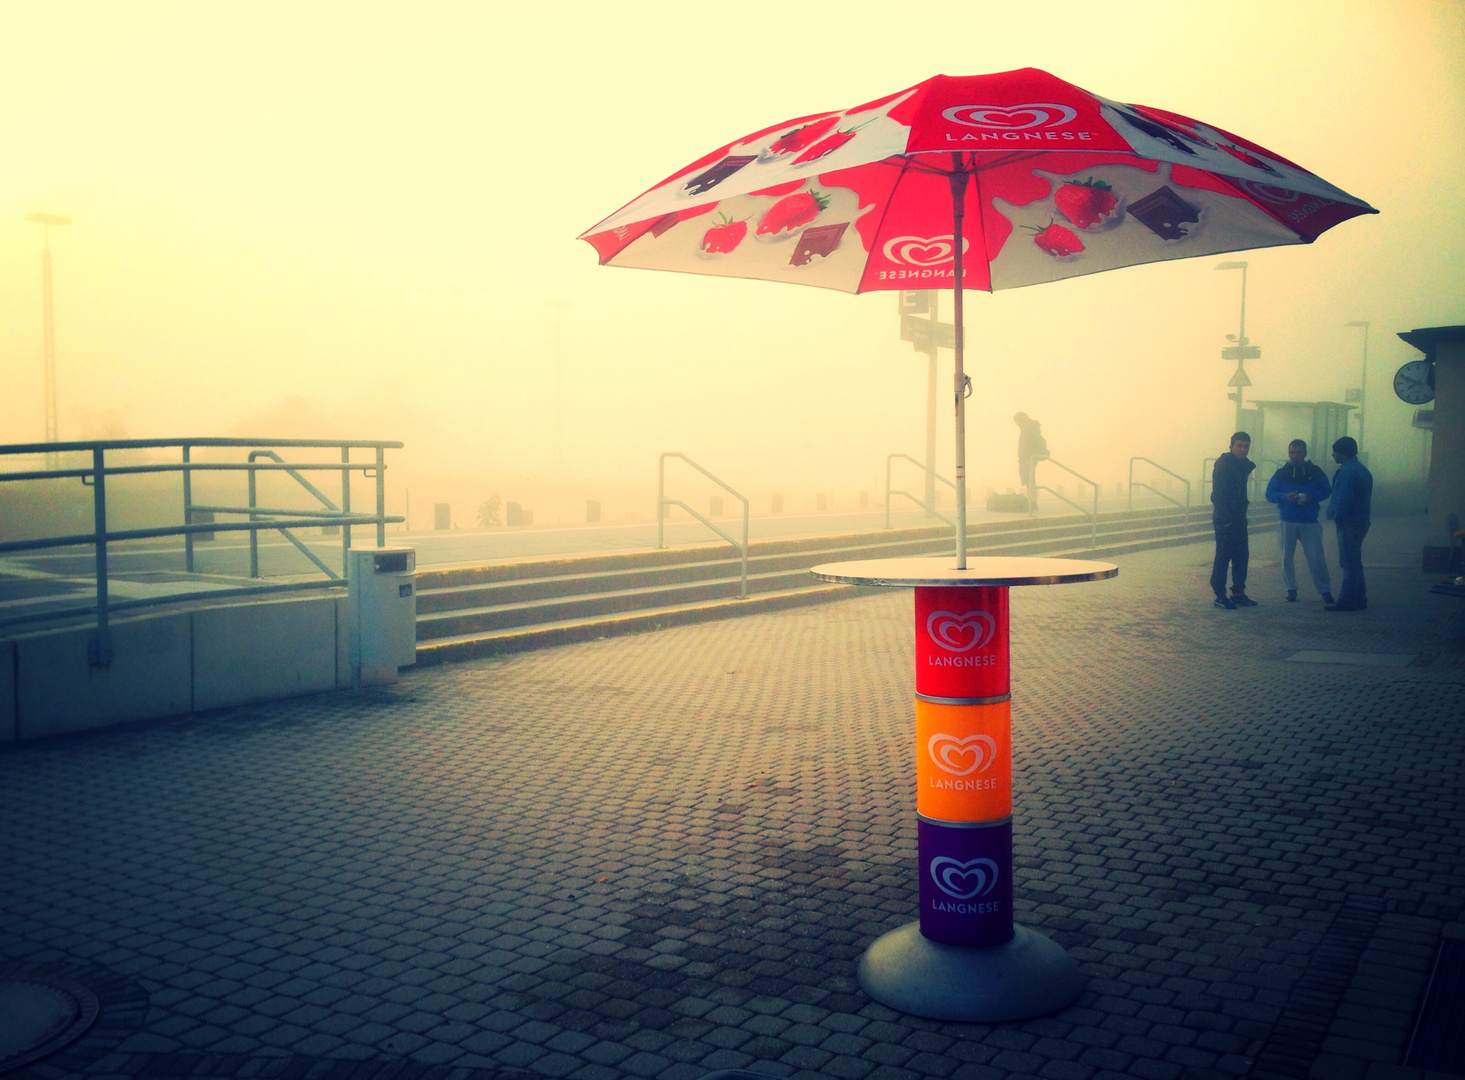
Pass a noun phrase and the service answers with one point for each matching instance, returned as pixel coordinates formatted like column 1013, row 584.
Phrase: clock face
column 1414, row 382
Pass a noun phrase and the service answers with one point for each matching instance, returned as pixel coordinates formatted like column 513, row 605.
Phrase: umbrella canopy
column 1063, row 182
column 983, row 182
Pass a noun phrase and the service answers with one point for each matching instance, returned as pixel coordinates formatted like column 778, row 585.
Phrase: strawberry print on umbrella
column 971, row 183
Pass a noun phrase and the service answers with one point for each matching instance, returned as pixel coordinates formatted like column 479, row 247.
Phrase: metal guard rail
column 95, row 477
column 1092, row 515
column 662, row 502
column 1157, row 491
column 889, row 458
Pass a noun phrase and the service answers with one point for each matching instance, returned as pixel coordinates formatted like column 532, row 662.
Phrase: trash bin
column 381, row 613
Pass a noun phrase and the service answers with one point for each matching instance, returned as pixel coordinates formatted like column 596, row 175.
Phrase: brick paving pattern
column 663, row 855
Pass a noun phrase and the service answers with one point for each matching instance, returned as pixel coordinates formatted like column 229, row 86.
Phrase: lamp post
column 557, row 308
column 1363, row 384
column 48, row 339
column 1243, row 349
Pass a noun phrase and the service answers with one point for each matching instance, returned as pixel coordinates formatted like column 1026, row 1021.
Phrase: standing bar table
column 965, row 959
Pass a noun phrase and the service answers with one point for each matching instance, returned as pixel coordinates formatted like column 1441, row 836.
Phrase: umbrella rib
column 905, row 165
column 982, row 227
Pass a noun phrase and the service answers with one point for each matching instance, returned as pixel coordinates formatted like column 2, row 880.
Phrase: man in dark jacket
column 1031, row 449
column 1228, row 497
column 1297, row 488
column 1350, row 510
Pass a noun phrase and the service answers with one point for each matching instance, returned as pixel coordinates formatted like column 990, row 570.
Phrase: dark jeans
column 1350, row 555
column 1231, row 549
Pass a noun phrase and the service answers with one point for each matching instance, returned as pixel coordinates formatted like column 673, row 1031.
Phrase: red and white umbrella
column 983, row 182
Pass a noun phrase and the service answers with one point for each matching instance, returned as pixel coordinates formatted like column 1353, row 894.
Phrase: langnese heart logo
column 960, row 633
column 924, row 250
column 962, row 757
column 963, row 880
column 1011, row 117
column 1269, row 193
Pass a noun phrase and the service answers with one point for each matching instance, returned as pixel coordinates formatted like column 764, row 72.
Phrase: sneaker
column 1291, row 596
column 1222, row 602
column 1242, row 600
column 1328, row 598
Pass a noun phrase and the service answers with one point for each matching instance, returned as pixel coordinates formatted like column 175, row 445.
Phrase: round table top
column 941, row 570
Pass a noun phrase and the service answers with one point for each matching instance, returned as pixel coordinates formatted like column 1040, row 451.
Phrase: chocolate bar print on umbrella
column 717, row 174
column 1165, row 214
column 819, row 240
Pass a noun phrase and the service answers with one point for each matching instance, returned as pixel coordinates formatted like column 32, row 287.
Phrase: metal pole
column 931, row 408
column 1241, row 344
column 187, row 512
column 743, row 588
column 102, row 648
column 49, row 345
column 253, row 533
column 888, row 459
column 660, row 502
column 1363, row 388
column 345, row 509
column 958, row 180
column 381, row 497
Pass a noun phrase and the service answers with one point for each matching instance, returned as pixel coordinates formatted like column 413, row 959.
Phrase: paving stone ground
column 663, row 855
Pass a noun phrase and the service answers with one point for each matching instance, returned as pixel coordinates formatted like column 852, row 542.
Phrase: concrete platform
column 663, row 855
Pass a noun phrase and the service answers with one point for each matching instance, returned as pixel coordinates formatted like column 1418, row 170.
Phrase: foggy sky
column 350, row 220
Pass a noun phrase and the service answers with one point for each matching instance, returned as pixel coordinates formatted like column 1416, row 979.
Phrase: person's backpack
column 1040, row 446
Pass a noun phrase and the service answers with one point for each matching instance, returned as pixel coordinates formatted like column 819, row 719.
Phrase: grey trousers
column 1310, row 534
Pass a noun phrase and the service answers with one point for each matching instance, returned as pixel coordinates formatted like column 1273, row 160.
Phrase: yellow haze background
column 359, row 220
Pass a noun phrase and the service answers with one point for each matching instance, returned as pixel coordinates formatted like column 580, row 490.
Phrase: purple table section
column 965, row 959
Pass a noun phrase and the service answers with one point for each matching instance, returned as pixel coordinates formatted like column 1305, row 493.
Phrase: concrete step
column 472, row 589
column 695, row 588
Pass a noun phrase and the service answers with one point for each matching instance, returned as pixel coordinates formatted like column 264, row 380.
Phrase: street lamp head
column 1357, row 322
column 48, row 219
column 1232, row 266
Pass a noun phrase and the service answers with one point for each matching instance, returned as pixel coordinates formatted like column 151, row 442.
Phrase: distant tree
column 488, row 512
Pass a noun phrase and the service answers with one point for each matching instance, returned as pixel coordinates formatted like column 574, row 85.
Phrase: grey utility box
column 381, row 612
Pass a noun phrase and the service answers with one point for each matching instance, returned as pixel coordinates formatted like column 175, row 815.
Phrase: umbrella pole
column 958, row 179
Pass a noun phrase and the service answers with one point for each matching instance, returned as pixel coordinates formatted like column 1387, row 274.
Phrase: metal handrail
column 1092, row 515
column 930, row 509
column 662, row 502
column 95, row 477
column 1157, row 491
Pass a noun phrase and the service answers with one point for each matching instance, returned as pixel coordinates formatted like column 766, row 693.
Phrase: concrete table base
column 1028, row 976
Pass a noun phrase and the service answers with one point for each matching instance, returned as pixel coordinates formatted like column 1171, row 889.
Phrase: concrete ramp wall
column 172, row 663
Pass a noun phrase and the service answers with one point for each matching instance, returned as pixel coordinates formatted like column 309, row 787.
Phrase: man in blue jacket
column 1350, row 509
column 1228, row 497
column 1297, row 488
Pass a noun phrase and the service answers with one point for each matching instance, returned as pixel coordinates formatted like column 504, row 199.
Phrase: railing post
column 660, row 502
column 888, row 459
column 346, row 509
column 1095, row 535
column 743, row 593
column 253, row 533
column 101, row 648
column 381, row 497
column 1130, row 486
column 187, row 511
